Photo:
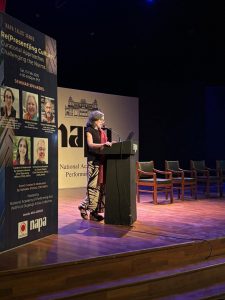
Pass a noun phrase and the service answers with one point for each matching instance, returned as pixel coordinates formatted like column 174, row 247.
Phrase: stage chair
column 205, row 175
column 220, row 166
column 148, row 176
column 180, row 181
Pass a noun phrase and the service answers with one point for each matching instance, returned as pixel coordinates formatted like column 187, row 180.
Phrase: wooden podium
column 120, row 199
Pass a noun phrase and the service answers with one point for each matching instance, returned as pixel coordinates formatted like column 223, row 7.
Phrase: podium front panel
column 120, row 202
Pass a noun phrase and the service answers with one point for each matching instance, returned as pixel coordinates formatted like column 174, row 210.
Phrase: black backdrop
column 181, row 121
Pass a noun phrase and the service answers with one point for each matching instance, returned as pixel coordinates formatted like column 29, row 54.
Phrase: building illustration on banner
column 79, row 108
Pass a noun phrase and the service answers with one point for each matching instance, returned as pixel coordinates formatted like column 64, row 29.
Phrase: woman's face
column 99, row 123
column 8, row 99
column 22, row 148
column 31, row 106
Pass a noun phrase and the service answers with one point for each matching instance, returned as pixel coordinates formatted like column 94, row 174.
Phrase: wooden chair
column 180, row 181
column 205, row 175
column 148, row 176
column 220, row 166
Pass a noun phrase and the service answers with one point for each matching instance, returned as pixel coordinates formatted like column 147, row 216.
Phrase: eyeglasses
column 41, row 149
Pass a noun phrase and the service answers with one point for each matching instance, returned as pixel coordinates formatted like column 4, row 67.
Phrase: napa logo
column 38, row 223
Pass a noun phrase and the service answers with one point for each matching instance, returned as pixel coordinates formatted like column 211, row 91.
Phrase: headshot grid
column 9, row 102
column 21, row 150
column 40, row 152
column 47, row 110
column 30, row 106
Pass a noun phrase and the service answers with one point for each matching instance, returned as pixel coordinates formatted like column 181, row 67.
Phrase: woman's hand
column 108, row 144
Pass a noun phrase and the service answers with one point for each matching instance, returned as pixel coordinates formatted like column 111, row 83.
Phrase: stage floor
column 156, row 226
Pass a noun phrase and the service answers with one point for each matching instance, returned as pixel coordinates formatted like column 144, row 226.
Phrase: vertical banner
column 28, row 134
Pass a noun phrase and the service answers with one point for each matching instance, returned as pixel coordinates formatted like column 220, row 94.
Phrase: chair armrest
column 175, row 172
column 145, row 173
column 186, row 171
column 191, row 172
column 210, row 169
column 214, row 171
column 206, row 172
column 150, row 174
column 163, row 172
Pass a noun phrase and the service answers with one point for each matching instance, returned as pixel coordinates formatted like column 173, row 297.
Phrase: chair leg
column 155, row 195
column 192, row 191
column 182, row 192
column 221, row 188
column 207, row 188
column 195, row 191
column 166, row 195
column 138, row 195
column 171, row 195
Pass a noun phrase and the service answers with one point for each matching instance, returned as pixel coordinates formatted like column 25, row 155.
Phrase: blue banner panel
column 28, row 134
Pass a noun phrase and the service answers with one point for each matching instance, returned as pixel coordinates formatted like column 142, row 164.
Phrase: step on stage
column 172, row 251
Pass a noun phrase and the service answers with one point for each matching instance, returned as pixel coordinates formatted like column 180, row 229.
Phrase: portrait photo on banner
column 9, row 103
column 21, row 150
column 40, row 152
column 47, row 110
column 30, row 106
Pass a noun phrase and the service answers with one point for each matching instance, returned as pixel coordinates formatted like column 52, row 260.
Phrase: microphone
column 113, row 131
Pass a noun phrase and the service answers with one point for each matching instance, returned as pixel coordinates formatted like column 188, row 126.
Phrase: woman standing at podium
column 96, row 140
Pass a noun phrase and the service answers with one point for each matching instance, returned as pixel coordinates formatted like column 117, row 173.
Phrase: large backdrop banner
column 28, row 134
column 74, row 106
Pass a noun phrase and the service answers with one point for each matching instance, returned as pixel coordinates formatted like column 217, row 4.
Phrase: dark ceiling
column 111, row 45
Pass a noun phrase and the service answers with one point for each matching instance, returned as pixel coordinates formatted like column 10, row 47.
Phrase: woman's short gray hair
column 94, row 116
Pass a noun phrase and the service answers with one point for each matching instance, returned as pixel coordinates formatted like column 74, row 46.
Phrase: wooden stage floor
column 156, row 226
